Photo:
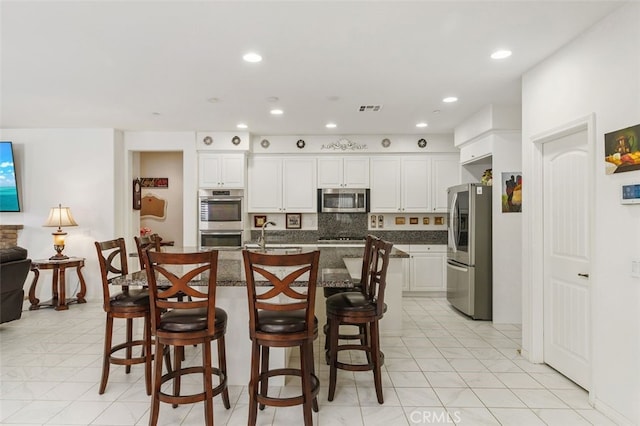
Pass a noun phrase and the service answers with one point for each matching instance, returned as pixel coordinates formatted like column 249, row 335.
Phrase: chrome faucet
column 262, row 241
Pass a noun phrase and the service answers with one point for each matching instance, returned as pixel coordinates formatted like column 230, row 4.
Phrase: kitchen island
column 338, row 267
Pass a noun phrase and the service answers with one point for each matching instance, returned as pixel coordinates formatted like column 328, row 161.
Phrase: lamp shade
column 59, row 217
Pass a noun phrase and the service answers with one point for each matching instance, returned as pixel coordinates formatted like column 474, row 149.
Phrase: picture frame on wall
column 294, row 221
column 259, row 220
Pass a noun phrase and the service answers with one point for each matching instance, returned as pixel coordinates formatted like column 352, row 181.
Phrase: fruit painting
column 622, row 150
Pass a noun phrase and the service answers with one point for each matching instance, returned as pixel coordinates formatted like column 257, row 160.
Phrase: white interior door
column 567, row 326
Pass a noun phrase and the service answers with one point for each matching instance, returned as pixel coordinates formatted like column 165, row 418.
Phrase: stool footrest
column 197, row 397
column 290, row 401
column 127, row 361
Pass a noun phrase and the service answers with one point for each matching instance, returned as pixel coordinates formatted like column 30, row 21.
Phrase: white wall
column 598, row 73
column 74, row 167
column 507, row 234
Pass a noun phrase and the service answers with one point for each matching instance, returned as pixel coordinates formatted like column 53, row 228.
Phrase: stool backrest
column 171, row 275
column 147, row 242
column 112, row 258
column 260, row 267
column 374, row 271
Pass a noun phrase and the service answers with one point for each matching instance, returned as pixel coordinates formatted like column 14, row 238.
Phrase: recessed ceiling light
column 331, row 125
column 242, row 126
column 436, row 111
column 252, row 57
column 500, row 54
column 450, row 99
column 273, row 99
column 422, row 124
column 213, row 100
column 276, row 112
column 155, row 113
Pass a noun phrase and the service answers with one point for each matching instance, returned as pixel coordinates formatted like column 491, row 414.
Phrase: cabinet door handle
column 583, row 275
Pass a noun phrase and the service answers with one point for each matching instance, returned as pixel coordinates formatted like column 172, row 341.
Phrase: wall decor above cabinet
column 344, row 145
column 208, row 140
column 385, row 143
column 300, row 144
column 422, row 143
column 222, row 141
column 236, row 140
column 264, row 143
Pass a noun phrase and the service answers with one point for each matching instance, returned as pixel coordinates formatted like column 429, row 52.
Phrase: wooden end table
column 58, row 286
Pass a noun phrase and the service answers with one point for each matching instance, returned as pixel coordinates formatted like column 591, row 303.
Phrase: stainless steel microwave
column 343, row 200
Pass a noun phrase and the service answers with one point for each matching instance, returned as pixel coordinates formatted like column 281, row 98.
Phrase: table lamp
column 59, row 217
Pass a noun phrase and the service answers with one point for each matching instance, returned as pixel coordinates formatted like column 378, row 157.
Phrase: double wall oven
column 221, row 218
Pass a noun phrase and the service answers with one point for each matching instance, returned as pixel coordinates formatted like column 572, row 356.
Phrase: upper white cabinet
column 445, row 172
column 278, row 185
column 416, row 184
column 221, row 170
column 343, row 172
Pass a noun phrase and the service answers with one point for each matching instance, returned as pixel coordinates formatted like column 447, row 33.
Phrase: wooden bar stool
column 147, row 242
column 180, row 323
column 362, row 309
column 361, row 335
column 281, row 316
column 126, row 304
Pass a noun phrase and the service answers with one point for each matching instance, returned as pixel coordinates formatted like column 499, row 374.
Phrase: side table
column 58, row 286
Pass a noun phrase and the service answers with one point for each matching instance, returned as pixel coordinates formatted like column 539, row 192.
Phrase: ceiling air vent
column 370, row 108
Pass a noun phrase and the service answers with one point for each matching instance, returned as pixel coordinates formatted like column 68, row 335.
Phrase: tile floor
column 445, row 369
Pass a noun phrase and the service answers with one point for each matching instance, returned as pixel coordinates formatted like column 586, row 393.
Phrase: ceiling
column 156, row 65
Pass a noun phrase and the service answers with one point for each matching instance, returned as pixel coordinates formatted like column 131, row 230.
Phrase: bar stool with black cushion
column 282, row 316
column 330, row 291
column 366, row 309
column 127, row 304
column 181, row 323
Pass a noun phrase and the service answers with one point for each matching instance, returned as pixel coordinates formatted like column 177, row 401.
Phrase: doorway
column 566, row 250
column 166, row 221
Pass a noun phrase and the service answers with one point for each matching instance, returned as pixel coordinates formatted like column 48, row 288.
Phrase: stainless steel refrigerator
column 469, row 271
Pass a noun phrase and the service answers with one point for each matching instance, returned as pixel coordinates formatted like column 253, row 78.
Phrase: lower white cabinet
column 427, row 268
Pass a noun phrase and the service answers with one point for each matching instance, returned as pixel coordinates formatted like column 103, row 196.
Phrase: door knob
column 584, row 275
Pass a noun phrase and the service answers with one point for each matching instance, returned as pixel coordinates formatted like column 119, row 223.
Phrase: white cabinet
column 427, row 268
column 343, row 172
column 278, row 185
column 445, row 172
column 399, row 184
column 221, row 170
column 416, row 184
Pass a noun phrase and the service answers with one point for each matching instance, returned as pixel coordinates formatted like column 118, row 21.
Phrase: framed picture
column 294, row 220
column 511, row 192
column 400, row 220
column 413, row 220
column 439, row 220
column 425, row 220
column 622, row 150
column 259, row 220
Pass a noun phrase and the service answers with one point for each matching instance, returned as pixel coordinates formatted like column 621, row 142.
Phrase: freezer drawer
column 460, row 289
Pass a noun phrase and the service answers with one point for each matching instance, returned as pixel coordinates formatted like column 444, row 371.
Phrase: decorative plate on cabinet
column 385, row 143
column 300, row 144
column 235, row 140
column 208, row 140
column 264, row 143
column 422, row 143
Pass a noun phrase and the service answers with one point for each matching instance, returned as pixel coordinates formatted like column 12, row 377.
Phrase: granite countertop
column 331, row 273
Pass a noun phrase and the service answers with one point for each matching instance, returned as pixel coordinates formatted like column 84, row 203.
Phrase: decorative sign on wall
column 622, row 150
column 154, row 182
column 137, row 194
column 153, row 207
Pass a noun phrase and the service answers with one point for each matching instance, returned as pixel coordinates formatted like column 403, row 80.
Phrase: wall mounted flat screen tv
column 9, row 200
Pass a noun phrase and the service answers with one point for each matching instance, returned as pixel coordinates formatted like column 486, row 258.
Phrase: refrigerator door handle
column 456, row 267
column 452, row 223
